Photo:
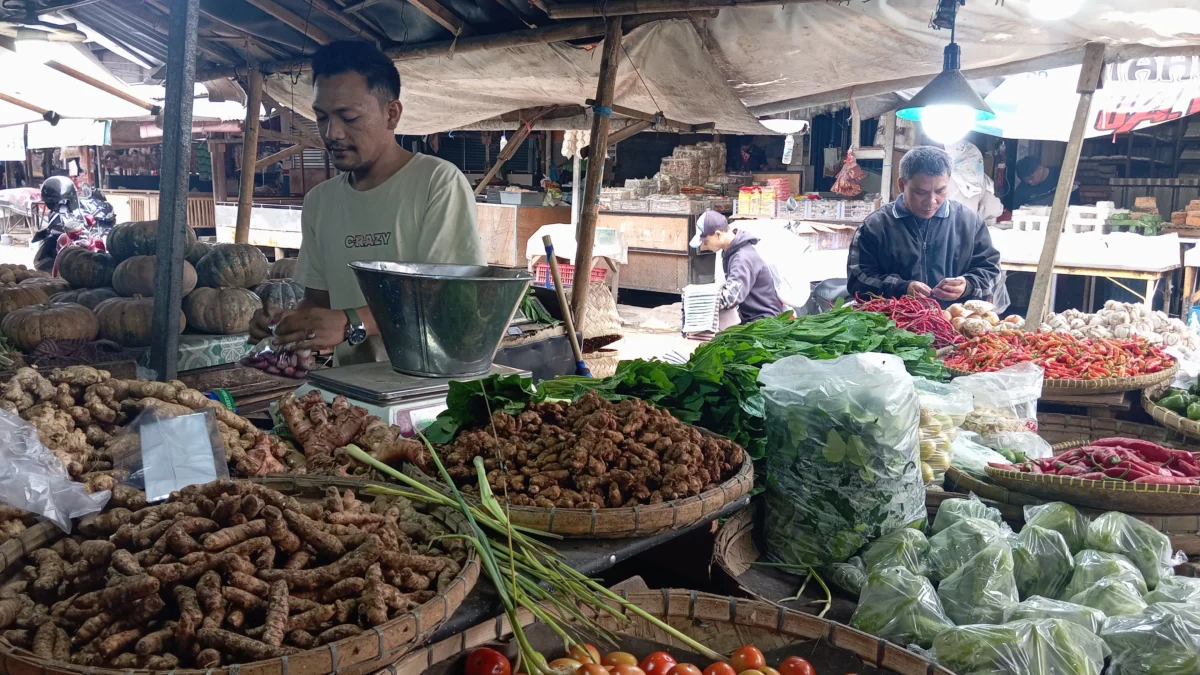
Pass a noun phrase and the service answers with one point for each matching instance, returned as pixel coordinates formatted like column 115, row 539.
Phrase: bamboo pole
column 506, row 154
column 278, row 157
column 104, row 87
column 629, row 7
column 249, row 154
column 1089, row 78
column 585, row 235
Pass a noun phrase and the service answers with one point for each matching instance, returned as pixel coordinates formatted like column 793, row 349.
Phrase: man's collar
column 899, row 210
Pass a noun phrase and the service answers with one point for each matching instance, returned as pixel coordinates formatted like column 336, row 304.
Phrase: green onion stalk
column 527, row 573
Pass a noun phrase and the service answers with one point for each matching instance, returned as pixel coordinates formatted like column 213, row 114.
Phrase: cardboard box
column 1179, row 217
column 1193, row 221
column 1145, row 203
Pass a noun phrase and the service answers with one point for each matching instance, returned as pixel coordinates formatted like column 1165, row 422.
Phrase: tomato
column 657, row 663
column 767, row 670
column 591, row 669
column 626, row 669
column 752, row 671
column 685, row 669
column 584, row 653
column 564, row 666
column 484, row 661
column 794, row 665
column 619, row 658
column 747, row 658
column 720, row 668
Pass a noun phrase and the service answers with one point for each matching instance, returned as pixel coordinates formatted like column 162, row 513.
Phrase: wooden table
column 1151, row 277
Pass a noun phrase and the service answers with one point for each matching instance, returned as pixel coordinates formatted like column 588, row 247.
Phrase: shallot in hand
column 287, row 363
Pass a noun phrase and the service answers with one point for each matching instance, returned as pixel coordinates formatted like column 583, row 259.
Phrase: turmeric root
column 310, row 619
column 223, row 539
column 208, row 658
column 339, row 632
column 190, row 616
column 248, row 648
column 277, row 614
column 43, row 641
column 277, row 528
column 157, row 642
column 352, row 586
column 249, row 583
column 352, row 564
column 373, row 605
column 310, row 531
column 134, row 588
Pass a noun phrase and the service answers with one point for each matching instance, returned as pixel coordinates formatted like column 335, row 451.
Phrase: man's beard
column 351, row 161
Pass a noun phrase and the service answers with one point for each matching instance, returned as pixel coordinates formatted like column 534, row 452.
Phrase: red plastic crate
column 566, row 274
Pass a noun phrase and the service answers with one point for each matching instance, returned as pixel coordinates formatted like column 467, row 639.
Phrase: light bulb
column 1054, row 10
column 947, row 123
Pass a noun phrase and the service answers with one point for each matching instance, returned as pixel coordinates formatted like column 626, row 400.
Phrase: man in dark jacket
column 748, row 282
column 923, row 243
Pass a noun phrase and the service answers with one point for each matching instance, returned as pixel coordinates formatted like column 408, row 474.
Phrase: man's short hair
column 1027, row 165
column 364, row 58
column 925, row 159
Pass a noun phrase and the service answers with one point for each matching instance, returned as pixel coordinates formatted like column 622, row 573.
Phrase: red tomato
column 747, row 658
column 657, row 663
column 720, row 668
column 626, row 669
column 767, row 670
column 592, row 669
column 794, row 665
column 619, row 658
column 584, row 653
column 684, row 669
column 484, row 661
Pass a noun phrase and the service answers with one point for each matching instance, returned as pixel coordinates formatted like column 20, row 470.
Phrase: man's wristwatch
column 356, row 330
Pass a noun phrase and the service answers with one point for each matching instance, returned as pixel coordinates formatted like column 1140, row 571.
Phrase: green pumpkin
column 138, row 238
column 129, row 322
column 135, row 276
column 223, row 311
column 83, row 268
column 232, row 266
column 88, row 297
column 283, row 293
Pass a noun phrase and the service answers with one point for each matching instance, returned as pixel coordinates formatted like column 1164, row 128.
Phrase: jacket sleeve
column 739, row 280
column 864, row 272
column 983, row 272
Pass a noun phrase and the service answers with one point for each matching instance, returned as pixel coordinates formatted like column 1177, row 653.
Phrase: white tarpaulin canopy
column 27, row 78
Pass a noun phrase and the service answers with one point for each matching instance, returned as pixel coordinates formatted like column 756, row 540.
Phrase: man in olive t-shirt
column 390, row 204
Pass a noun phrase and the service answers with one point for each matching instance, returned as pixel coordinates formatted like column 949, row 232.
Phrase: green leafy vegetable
column 951, row 548
column 532, row 308
column 953, row 510
column 1175, row 589
column 1037, row 607
column 983, row 589
column 905, row 548
column 849, row 576
column 1041, row 646
column 1042, row 561
column 1146, row 547
column 1092, row 566
column 1062, row 518
column 467, row 403
column 900, row 606
column 1113, row 596
column 1160, row 641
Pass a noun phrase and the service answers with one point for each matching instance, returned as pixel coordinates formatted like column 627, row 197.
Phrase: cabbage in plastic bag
column 982, row 589
column 1028, row 647
column 1145, row 546
column 1042, row 562
column 905, row 548
column 1175, row 589
column 954, row 546
column 1113, row 596
column 849, row 576
column 1062, row 518
column 953, row 510
column 1037, row 607
column 900, row 606
column 1092, row 566
column 971, row 457
column 1163, row 640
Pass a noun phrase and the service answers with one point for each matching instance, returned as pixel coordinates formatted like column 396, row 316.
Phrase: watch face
column 357, row 336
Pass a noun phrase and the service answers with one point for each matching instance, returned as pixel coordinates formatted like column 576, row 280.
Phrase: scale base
column 378, row 383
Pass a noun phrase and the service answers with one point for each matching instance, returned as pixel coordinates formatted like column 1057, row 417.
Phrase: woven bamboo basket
column 719, row 622
column 1057, row 428
column 1104, row 495
column 361, row 654
column 1104, row 385
column 1165, row 417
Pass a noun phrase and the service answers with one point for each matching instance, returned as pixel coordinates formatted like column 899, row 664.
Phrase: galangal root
column 322, row 429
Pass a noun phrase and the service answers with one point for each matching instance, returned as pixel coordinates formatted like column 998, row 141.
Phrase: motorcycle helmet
column 59, row 191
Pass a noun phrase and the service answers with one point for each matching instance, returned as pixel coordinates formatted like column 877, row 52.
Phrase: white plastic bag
column 33, row 479
column 971, row 457
column 944, row 407
column 1005, row 414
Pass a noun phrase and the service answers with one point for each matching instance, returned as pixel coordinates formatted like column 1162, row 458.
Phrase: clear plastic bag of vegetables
column 1175, row 589
column 1028, row 647
column 1042, row 562
column 842, row 467
column 971, row 457
column 849, row 576
column 953, row 510
column 943, row 408
column 1037, row 607
column 1113, row 596
column 1005, row 409
column 1163, row 640
column 905, row 548
column 1092, row 566
column 954, row 546
column 1146, row 547
column 1062, row 518
column 900, row 606
column 981, row 590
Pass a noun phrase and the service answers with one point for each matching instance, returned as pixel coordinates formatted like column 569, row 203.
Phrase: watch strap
column 354, row 327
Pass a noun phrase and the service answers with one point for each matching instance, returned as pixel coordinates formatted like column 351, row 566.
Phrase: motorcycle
column 70, row 221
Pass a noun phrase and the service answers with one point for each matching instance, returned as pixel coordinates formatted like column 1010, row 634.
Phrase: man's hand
column 917, row 288
column 950, row 289
column 312, row 328
column 263, row 319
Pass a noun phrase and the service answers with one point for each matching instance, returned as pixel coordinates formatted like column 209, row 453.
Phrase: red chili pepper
column 1072, row 470
column 1186, row 467
column 1149, row 451
column 1006, row 467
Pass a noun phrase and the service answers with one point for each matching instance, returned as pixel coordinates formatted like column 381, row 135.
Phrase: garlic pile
column 1124, row 320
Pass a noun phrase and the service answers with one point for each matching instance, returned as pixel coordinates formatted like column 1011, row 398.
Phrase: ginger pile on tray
column 591, row 453
column 223, row 573
column 79, row 411
column 322, row 429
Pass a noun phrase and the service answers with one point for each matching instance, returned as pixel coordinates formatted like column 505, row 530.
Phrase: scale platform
column 377, row 383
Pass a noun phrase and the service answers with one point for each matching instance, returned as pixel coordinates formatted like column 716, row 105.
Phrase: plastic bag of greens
column 1037, row 607
column 849, row 576
column 954, row 546
column 1163, row 640
column 953, row 510
column 1042, row 562
column 1028, row 647
column 971, row 457
column 1092, row 566
column 943, row 409
column 982, row 589
column 900, row 606
column 1146, row 547
column 842, row 467
column 905, row 548
column 1175, row 589
column 1062, row 518
column 1113, row 596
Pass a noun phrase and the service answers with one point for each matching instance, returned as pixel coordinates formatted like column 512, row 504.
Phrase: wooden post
column 1089, row 78
column 506, row 154
column 585, row 234
column 889, row 151
column 172, row 206
column 576, row 178
column 249, row 155
column 216, row 150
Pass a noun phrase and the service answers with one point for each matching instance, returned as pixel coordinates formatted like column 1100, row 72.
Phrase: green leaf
column 835, row 447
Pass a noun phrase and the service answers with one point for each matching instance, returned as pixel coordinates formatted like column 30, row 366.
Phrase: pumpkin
column 88, row 297
column 198, row 251
column 29, row 326
column 283, row 293
column 49, row 285
column 284, row 268
column 83, row 268
column 129, row 321
column 232, row 266
column 138, row 238
column 135, row 276
column 224, row 311
column 16, row 296
column 13, row 273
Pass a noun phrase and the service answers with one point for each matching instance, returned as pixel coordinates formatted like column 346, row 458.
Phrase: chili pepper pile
column 916, row 314
column 1125, row 459
column 1062, row 356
